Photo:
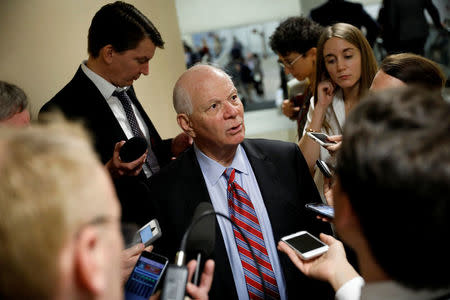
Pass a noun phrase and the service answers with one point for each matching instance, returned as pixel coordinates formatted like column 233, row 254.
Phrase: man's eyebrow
column 233, row 91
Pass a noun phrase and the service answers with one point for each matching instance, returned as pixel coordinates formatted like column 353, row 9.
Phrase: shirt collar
column 105, row 87
column 212, row 170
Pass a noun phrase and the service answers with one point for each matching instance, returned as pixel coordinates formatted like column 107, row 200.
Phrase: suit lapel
column 265, row 171
column 97, row 105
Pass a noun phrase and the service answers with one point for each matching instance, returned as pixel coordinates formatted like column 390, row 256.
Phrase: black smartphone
column 321, row 138
column 323, row 167
column 145, row 277
column 321, row 209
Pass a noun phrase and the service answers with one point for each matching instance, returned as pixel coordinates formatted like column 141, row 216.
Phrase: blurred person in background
column 295, row 43
column 13, row 105
column 404, row 25
column 342, row 11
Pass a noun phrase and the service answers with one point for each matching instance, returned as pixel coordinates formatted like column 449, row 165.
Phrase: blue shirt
column 217, row 187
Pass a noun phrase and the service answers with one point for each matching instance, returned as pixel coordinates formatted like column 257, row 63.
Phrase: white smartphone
column 305, row 244
column 148, row 233
column 321, row 138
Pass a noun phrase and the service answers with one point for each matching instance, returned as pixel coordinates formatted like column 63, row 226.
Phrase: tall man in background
column 121, row 42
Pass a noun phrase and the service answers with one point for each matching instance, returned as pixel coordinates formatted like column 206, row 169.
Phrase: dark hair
column 414, row 69
column 295, row 34
column 121, row 25
column 12, row 100
column 394, row 165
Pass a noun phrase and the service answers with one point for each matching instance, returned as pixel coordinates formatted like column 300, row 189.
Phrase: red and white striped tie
column 242, row 212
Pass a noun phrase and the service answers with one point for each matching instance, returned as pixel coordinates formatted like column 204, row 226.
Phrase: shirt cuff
column 351, row 290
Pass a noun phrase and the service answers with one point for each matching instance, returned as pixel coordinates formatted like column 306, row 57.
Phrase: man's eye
column 213, row 106
column 234, row 97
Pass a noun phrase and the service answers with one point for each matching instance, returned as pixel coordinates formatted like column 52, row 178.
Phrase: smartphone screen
column 146, row 234
column 305, row 244
column 145, row 276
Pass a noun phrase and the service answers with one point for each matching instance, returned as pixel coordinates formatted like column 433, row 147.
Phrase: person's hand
column 130, row 257
column 201, row 291
column 332, row 266
column 180, row 143
column 289, row 110
column 328, row 190
column 118, row 168
column 325, row 91
column 333, row 148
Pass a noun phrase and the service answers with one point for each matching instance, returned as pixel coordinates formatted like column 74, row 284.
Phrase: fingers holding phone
column 130, row 257
column 201, row 291
column 332, row 149
column 321, row 138
column 332, row 266
column 146, row 275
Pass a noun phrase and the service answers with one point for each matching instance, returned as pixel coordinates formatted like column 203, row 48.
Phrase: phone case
column 137, row 237
column 323, row 168
column 318, row 249
column 321, row 209
column 320, row 142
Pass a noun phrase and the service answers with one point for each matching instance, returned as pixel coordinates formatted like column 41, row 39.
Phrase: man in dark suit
column 121, row 42
column 272, row 176
column 341, row 11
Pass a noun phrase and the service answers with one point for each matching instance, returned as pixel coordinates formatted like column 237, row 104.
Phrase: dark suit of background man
column 273, row 173
column 341, row 11
column 121, row 42
column 404, row 26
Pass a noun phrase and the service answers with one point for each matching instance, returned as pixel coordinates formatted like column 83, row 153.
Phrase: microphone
column 203, row 241
column 176, row 276
column 133, row 149
column 202, row 238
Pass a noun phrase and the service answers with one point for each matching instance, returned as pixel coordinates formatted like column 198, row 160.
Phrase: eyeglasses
column 291, row 64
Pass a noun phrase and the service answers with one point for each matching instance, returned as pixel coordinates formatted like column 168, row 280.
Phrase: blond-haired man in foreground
column 59, row 218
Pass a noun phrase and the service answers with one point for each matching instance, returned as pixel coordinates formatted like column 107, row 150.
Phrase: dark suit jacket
column 81, row 100
column 286, row 186
column 339, row 11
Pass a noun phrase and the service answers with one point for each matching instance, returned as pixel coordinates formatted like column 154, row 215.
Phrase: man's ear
column 89, row 261
column 185, row 123
column 312, row 51
column 107, row 53
column 348, row 220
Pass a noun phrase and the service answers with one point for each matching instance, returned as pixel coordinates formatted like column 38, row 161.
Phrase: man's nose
column 231, row 110
column 144, row 69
